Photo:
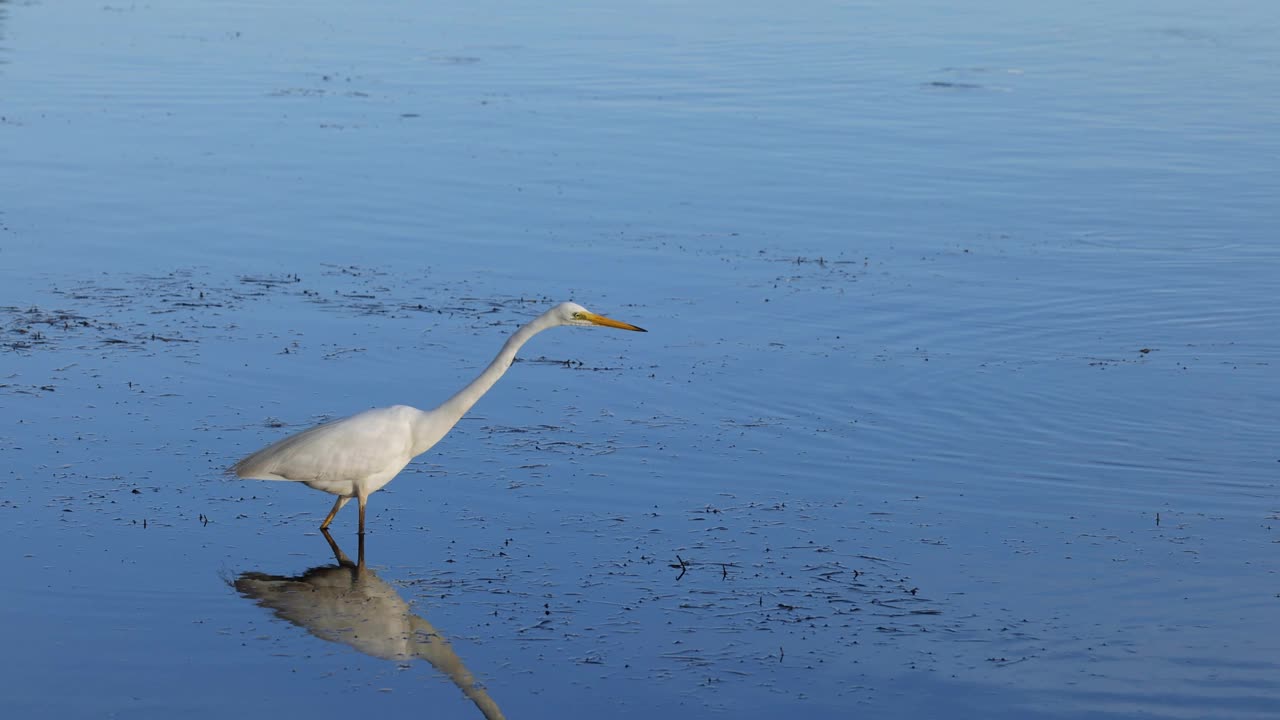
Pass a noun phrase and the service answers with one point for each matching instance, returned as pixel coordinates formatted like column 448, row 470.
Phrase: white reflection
column 348, row 603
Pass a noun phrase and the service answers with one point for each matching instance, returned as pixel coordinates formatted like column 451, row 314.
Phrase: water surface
column 959, row 394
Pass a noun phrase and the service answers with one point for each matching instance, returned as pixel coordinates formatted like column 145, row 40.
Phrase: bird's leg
column 364, row 500
column 336, row 507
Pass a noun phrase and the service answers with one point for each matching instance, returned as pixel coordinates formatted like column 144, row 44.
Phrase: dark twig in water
column 684, row 566
column 566, row 363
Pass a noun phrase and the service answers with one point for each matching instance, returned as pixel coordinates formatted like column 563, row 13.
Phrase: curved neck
column 452, row 410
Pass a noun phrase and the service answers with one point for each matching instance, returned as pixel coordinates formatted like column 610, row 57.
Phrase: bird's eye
column 577, row 316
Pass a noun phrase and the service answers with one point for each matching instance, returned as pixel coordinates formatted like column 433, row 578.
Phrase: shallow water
column 959, row 394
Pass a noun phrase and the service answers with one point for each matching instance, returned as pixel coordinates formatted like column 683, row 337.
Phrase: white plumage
column 356, row 456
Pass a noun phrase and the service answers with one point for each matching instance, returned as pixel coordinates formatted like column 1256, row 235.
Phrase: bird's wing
column 262, row 464
column 358, row 446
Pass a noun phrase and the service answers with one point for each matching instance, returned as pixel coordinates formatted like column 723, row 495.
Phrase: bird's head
column 571, row 313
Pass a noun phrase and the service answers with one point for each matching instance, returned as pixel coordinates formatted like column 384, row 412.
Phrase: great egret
column 356, row 456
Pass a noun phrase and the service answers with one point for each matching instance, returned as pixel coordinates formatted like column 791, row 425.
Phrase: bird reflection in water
column 348, row 603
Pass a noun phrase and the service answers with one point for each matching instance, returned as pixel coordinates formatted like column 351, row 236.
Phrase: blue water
column 959, row 396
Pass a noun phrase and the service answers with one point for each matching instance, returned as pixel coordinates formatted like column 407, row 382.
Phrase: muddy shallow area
column 543, row 537
column 958, row 396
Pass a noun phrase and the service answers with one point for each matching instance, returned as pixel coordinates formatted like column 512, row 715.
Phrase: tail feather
column 266, row 463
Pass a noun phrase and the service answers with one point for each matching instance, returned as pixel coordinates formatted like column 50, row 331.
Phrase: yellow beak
column 610, row 322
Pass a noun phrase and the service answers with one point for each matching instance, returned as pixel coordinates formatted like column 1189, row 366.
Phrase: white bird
column 356, row 456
